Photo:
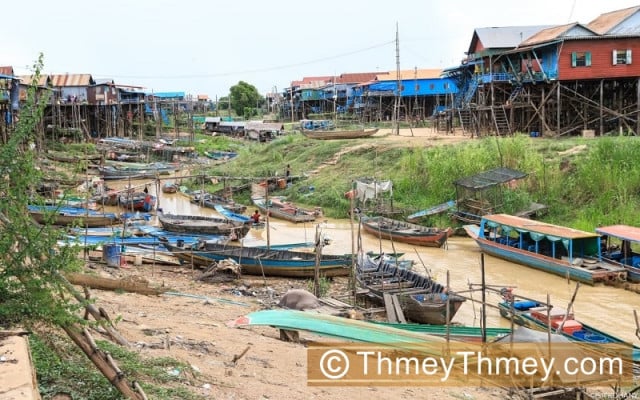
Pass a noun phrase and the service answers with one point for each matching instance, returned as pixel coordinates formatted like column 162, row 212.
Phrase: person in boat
column 147, row 202
column 256, row 217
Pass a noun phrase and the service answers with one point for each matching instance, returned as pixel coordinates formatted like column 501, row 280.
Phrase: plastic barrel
column 111, row 254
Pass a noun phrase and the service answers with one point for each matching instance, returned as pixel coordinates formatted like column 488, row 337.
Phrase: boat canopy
column 624, row 232
column 536, row 228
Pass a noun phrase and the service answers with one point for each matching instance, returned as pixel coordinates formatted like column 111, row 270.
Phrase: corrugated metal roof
column 409, row 74
column 607, row 21
column 71, row 80
column 358, row 77
column 573, row 29
column 489, row 178
column 6, row 70
column 625, row 232
column 505, row 37
column 27, row 79
column 539, row 226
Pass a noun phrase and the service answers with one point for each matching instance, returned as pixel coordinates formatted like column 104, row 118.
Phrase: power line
column 249, row 71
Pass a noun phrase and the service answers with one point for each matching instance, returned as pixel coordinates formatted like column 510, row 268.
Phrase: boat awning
column 624, row 232
column 522, row 225
column 489, row 178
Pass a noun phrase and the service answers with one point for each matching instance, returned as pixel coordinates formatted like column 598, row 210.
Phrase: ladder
column 500, row 120
column 466, row 118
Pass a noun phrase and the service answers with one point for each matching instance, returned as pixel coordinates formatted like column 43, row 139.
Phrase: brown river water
column 604, row 307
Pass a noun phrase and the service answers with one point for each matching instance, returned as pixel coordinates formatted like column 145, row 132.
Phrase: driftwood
column 96, row 282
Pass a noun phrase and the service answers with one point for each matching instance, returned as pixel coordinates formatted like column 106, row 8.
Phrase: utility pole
column 396, row 104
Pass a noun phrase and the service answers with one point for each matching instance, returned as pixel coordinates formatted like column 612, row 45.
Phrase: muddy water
column 607, row 308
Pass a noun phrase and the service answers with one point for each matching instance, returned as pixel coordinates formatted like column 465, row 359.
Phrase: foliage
column 57, row 359
column 244, row 95
column 584, row 182
column 30, row 280
column 324, row 284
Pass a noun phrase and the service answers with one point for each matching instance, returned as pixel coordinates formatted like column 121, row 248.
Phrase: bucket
column 138, row 260
column 111, row 255
column 282, row 183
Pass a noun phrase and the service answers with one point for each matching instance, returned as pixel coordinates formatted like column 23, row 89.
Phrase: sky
column 205, row 47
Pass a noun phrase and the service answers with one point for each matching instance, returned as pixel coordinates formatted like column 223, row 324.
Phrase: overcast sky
column 205, row 47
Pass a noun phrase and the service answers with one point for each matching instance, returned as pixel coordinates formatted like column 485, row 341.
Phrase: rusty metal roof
column 358, row 77
column 43, row 80
column 6, row 70
column 489, row 178
column 530, row 225
column 71, row 80
column 625, row 232
column 608, row 21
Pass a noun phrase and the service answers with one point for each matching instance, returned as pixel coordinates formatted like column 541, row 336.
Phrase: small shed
column 482, row 194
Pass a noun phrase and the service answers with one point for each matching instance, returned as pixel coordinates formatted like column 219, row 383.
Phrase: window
column 581, row 59
column 621, row 57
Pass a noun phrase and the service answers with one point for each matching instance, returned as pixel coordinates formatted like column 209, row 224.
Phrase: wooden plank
column 398, row 309
column 390, row 308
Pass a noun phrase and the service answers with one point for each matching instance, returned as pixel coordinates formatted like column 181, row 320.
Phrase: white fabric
column 366, row 191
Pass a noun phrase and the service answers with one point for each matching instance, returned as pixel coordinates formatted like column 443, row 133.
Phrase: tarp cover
column 366, row 190
column 489, row 178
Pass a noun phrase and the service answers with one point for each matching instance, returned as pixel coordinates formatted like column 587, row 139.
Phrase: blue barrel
column 111, row 254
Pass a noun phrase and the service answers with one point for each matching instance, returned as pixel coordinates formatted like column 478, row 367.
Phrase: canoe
column 405, row 232
column 69, row 216
column 268, row 262
column 197, row 224
column 279, row 208
column 421, row 299
column 212, row 200
column 339, row 134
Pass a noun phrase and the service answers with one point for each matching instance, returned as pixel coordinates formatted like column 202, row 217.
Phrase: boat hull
column 260, row 261
column 204, row 225
column 343, row 134
column 405, row 232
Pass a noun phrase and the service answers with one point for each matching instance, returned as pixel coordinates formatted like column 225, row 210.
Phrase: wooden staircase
column 500, row 120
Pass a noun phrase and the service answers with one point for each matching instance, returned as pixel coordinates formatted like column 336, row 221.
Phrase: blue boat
column 439, row 209
column 538, row 316
column 551, row 248
column 620, row 248
column 268, row 262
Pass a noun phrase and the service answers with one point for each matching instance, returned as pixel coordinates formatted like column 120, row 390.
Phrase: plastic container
column 111, row 254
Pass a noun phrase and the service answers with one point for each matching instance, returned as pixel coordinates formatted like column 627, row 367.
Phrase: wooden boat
column 137, row 201
column 210, row 200
column 169, row 187
column 339, row 134
column 421, row 299
column 270, row 262
column 551, row 248
column 405, row 232
column 70, row 158
column 277, row 207
column 112, row 173
column 219, row 155
column 439, row 209
column 197, row 224
column 70, row 216
column 620, row 248
column 537, row 315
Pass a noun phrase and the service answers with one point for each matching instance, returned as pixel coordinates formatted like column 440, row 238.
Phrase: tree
column 243, row 96
column 31, row 263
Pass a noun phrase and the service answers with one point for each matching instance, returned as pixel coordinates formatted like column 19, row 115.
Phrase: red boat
column 137, row 201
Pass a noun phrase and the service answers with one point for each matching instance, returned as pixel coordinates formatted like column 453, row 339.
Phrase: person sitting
column 256, row 217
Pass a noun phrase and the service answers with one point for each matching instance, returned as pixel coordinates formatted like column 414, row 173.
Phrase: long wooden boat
column 339, row 134
column 210, row 200
column 422, row 299
column 197, row 224
column 624, row 248
column 537, row 315
column 277, row 207
column 405, row 232
column 551, row 248
column 137, row 201
column 270, row 262
column 69, row 216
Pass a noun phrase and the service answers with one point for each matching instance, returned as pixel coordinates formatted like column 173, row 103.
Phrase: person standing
column 288, row 173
